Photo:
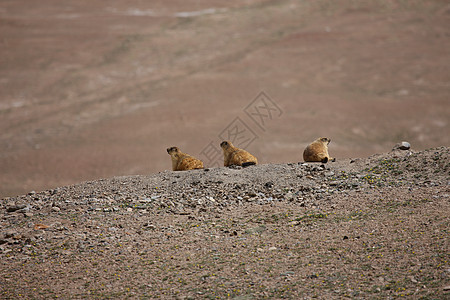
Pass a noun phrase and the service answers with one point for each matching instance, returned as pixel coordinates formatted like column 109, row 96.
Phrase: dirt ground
column 91, row 90
column 367, row 228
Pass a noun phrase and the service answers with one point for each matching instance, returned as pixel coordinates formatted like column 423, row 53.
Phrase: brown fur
column 317, row 151
column 235, row 156
column 182, row 161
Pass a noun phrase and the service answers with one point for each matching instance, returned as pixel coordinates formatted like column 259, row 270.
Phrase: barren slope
column 89, row 90
column 367, row 228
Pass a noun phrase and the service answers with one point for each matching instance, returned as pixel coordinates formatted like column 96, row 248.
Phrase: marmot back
column 235, row 156
column 182, row 161
column 317, row 151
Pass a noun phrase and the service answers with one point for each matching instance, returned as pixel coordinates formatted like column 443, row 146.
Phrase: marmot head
column 173, row 150
column 226, row 144
column 325, row 140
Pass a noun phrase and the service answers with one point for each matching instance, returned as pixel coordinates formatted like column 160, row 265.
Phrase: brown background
column 94, row 90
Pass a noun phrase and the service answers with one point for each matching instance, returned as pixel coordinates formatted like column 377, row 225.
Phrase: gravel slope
column 373, row 227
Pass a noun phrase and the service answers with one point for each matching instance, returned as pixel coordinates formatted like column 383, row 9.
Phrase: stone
column 287, row 273
column 405, row 146
column 289, row 196
column 402, row 146
column 14, row 208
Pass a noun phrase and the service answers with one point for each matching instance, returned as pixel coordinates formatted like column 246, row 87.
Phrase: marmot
column 317, row 151
column 236, row 156
column 182, row 161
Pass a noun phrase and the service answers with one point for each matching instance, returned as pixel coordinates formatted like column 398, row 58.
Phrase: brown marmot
column 236, row 156
column 182, row 161
column 317, row 151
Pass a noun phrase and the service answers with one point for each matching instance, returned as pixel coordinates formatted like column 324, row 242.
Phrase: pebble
column 402, row 146
column 405, row 146
column 14, row 208
column 287, row 273
column 289, row 196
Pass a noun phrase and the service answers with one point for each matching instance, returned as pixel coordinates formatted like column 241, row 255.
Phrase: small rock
column 56, row 208
column 402, row 146
column 40, row 226
column 289, row 196
column 272, row 248
column 287, row 273
column 10, row 233
column 412, row 279
column 149, row 226
column 446, row 288
column 268, row 185
column 14, row 208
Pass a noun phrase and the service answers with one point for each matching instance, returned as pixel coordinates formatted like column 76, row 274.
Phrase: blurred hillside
column 94, row 90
